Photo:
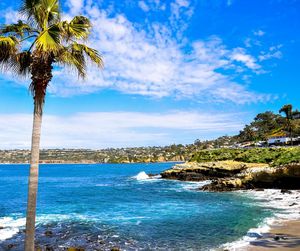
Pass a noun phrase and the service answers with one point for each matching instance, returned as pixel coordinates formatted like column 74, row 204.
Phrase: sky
column 175, row 71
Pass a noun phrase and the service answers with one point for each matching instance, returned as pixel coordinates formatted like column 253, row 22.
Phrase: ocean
column 101, row 206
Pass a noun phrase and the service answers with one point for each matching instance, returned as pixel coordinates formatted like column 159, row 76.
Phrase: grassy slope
column 272, row 156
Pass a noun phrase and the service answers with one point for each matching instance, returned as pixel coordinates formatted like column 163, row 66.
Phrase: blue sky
column 174, row 71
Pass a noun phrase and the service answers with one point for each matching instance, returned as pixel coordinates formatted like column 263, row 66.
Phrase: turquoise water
column 104, row 205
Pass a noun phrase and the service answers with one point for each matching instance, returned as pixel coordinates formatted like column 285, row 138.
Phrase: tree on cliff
column 52, row 42
column 288, row 111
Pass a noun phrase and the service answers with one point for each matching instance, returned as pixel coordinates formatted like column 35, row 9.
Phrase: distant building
column 296, row 116
column 279, row 138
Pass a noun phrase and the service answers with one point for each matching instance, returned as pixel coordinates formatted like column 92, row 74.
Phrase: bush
column 271, row 156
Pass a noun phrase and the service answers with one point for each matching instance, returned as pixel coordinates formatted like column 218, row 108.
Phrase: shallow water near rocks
column 99, row 206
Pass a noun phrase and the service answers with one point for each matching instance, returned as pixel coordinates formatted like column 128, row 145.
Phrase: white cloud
column 273, row 52
column 11, row 16
column 75, row 6
column 116, row 129
column 143, row 6
column 259, row 33
column 153, row 5
column 154, row 63
column 240, row 55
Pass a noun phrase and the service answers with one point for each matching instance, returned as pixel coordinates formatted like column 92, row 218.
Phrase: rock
column 49, row 248
column 75, row 249
column 115, row 249
column 48, row 233
column 1, row 227
column 276, row 238
column 285, row 191
column 102, row 242
column 234, row 175
column 293, row 204
column 10, row 246
column 259, row 189
column 193, row 171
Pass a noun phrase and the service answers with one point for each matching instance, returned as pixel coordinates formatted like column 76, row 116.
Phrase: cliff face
column 233, row 175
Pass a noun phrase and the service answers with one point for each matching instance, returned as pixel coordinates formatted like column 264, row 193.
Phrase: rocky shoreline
column 234, row 175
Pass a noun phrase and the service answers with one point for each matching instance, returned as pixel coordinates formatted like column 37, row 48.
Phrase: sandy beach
column 283, row 236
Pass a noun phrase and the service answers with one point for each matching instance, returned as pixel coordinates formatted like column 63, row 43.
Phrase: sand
column 283, row 236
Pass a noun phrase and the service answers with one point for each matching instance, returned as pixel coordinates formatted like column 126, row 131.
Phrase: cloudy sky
column 175, row 71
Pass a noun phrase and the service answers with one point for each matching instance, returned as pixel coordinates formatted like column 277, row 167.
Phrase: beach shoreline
column 283, row 235
column 281, row 231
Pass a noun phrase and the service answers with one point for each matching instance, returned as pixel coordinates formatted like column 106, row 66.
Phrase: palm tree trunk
column 33, row 178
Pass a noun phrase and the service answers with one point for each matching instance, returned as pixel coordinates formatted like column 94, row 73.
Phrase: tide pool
column 99, row 206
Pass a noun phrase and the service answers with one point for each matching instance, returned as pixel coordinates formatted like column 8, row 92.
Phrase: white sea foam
column 142, row 176
column 191, row 185
column 10, row 227
column 285, row 205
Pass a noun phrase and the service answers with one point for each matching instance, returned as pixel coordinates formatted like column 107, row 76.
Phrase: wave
column 195, row 185
column 144, row 176
column 10, row 226
column 285, row 206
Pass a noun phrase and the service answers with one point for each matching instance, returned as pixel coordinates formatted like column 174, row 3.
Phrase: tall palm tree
column 288, row 111
column 52, row 41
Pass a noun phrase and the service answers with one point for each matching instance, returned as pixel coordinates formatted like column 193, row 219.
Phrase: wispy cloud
column 143, row 6
column 259, row 33
column 116, row 129
column 153, row 5
column 154, row 62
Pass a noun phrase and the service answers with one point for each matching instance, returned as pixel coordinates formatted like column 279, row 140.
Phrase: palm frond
column 73, row 58
column 90, row 53
column 23, row 61
column 18, row 29
column 8, row 48
column 49, row 40
column 42, row 13
column 29, row 10
column 78, row 28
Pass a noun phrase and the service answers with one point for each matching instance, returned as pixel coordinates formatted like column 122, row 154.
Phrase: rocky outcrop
column 193, row 171
column 233, row 175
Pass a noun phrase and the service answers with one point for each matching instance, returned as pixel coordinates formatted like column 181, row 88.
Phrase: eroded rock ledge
column 234, row 175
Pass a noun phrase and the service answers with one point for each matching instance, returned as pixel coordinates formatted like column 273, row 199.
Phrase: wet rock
column 75, row 249
column 293, row 204
column 115, row 249
column 285, row 191
column 259, row 189
column 283, row 177
column 102, row 242
column 10, row 246
column 38, row 248
column 48, row 233
column 1, row 227
column 49, row 248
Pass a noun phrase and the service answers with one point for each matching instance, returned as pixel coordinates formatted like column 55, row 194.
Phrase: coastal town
column 267, row 129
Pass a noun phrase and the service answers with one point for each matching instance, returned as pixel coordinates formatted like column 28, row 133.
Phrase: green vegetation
column 268, row 123
column 271, row 156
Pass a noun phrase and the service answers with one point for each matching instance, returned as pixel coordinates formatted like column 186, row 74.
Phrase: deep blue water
column 103, row 205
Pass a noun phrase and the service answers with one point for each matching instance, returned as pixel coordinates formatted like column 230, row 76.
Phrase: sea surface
column 100, row 206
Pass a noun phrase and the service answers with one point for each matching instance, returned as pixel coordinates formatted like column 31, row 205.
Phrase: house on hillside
column 279, row 138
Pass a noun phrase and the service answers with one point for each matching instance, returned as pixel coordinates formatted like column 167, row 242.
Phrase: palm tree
column 52, row 41
column 288, row 111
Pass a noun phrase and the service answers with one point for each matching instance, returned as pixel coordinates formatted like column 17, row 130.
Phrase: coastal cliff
column 230, row 174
